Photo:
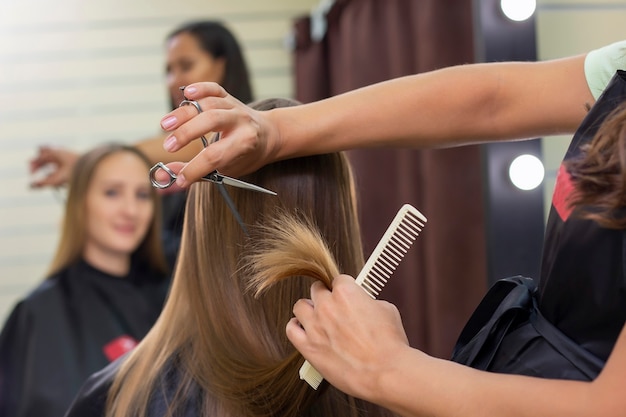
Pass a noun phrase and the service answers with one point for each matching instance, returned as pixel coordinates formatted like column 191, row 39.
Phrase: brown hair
column 226, row 341
column 74, row 224
column 599, row 174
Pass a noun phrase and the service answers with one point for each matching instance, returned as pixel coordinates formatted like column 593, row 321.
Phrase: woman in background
column 219, row 348
column 195, row 51
column 105, row 288
column 200, row 51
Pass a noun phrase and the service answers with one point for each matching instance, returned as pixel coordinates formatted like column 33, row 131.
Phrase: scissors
column 214, row 177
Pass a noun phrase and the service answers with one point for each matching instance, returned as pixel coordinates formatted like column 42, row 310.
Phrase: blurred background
column 74, row 73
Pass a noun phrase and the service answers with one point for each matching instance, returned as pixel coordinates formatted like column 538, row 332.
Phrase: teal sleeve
column 601, row 64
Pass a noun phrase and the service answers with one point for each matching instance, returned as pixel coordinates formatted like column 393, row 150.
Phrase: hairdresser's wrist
column 282, row 135
column 300, row 131
column 399, row 382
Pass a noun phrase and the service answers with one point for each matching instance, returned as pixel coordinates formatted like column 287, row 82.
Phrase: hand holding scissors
column 214, row 177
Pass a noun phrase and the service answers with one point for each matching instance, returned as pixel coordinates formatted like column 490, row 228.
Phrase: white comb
column 381, row 264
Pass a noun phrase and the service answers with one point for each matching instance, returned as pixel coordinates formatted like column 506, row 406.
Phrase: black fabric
column 72, row 325
column 567, row 328
column 92, row 397
column 582, row 289
column 508, row 334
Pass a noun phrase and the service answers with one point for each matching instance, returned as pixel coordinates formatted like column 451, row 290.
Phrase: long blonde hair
column 74, row 224
column 225, row 341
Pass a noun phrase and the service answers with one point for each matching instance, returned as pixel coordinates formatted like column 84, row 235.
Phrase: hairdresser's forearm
column 453, row 106
column 439, row 388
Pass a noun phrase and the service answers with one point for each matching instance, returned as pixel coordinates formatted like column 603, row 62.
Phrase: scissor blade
column 232, row 207
column 242, row 184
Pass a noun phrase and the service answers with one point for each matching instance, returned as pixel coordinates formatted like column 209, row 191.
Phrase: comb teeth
column 395, row 243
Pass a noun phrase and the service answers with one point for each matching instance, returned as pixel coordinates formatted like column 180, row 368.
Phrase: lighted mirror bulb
column 518, row 10
column 526, row 172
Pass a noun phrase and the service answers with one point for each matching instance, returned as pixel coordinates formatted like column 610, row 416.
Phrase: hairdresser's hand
column 244, row 145
column 351, row 339
column 59, row 162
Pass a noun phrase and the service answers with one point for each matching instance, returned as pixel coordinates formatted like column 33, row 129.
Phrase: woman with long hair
column 104, row 290
column 219, row 346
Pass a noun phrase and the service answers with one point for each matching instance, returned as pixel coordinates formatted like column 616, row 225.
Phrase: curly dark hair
column 599, row 174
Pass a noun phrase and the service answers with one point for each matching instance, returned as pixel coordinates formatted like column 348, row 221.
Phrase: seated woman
column 105, row 288
column 219, row 347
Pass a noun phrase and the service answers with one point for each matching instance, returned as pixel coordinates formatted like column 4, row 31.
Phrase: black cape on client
column 72, row 325
column 92, row 397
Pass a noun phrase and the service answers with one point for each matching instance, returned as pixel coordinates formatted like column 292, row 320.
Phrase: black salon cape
column 92, row 397
column 72, row 325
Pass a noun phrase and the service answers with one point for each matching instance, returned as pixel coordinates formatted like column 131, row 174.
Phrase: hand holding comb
column 395, row 243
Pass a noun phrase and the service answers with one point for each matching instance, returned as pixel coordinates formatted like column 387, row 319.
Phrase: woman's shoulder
column 602, row 63
column 49, row 290
column 42, row 305
column 92, row 397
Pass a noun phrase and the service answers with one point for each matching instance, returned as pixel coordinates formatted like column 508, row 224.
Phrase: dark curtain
column 443, row 277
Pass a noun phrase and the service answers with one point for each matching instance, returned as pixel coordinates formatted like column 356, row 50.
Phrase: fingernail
column 180, row 180
column 168, row 122
column 170, row 144
column 190, row 90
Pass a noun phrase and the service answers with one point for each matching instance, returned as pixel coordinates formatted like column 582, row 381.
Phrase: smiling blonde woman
column 106, row 287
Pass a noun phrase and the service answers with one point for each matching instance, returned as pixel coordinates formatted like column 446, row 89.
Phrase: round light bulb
column 526, row 172
column 518, row 10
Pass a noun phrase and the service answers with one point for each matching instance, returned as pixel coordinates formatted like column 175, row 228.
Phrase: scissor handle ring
column 161, row 185
column 194, row 103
